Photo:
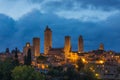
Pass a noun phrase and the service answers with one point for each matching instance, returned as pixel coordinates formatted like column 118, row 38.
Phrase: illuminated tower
column 101, row 47
column 36, row 47
column 26, row 48
column 47, row 40
column 80, row 45
column 67, row 47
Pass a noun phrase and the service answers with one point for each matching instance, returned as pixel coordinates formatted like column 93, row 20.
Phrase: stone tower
column 47, row 40
column 101, row 47
column 26, row 48
column 80, row 45
column 67, row 47
column 36, row 47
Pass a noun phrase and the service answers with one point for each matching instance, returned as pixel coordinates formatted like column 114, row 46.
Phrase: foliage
column 16, row 53
column 27, row 58
column 64, row 73
column 5, row 69
column 56, row 71
column 26, row 73
column 71, row 74
column 88, row 74
column 41, row 59
column 16, row 61
column 7, row 50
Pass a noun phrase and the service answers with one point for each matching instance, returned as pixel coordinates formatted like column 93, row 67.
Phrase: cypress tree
column 16, row 55
column 7, row 50
column 16, row 61
column 27, row 59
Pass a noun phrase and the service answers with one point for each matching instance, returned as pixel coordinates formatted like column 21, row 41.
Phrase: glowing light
column 96, row 74
column 73, row 57
column 43, row 66
column 106, row 71
column 76, row 66
column 28, row 45
column 91, row 68
column 101, row 62
column 84, row 61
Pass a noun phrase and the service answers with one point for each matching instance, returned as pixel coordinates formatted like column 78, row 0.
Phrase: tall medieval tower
column 36, row 47
column 67, row 47
column 101, row 47
column 80, row 45
column 47, row 40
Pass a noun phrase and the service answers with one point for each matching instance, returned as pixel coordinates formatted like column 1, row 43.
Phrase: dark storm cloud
column 5, row 26
column 101, row 3
column 35, row 1
column 99, row 10
column 70, row 9
column 58, row 5
column 7, row 31
column 32, row 24
column 71, row 4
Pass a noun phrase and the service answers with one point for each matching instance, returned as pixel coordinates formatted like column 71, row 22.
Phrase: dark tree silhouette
column 27, row 58
column 5, row 69
column 16, row 53
column 16, row 61
column 7, row 50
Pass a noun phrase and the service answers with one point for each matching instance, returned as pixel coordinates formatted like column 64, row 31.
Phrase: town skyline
column 74, row 47
column 71, row 42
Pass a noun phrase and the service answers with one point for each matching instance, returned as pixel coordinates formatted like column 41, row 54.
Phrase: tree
column 70, row 73
column 66, row 72
column 16, row 55
column 7, row 50
column 56, row 71
column 5, row 69
column 87, row 74
column 13, row 51
column 27, row 58
column 16, row 61
column 26, row 73
column 41, row 59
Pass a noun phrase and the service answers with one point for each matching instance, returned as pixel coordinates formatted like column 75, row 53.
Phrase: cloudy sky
column 98, row 21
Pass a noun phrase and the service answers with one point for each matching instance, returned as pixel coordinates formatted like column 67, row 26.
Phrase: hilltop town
column 104, row 64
